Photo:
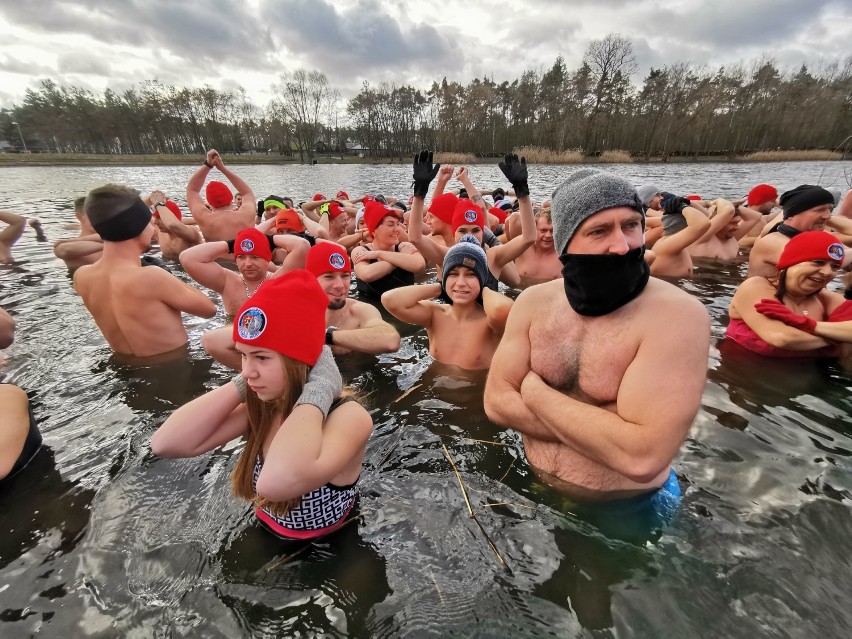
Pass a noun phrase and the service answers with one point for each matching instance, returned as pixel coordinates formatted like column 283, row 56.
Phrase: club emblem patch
column 337, row 262
column 835, row 252
column 246, row 246
column 251, row 323
column 470, row 216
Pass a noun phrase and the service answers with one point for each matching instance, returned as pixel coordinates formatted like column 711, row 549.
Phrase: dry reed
column 541, row 155
column 615, row 156
column 454, row 158
column 791, row 156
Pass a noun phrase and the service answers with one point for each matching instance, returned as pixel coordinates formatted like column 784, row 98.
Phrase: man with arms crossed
column 137, row 309
column 573, row 368
column 351, row 325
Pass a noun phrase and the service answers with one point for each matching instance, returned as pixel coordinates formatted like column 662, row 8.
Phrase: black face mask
column 599, row 284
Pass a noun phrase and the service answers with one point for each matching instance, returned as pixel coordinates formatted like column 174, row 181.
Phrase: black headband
column 125, row 225
column 804, row 197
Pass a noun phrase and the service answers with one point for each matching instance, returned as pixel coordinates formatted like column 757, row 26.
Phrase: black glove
column 272, row 245
column 675, row 205
column 424, row 173
column 516, row 172
column 231, row 245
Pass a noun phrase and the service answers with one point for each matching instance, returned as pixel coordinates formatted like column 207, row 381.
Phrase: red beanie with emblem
column 288, row 220
column 761, row 194
column 334, row 209
column 286, row 315
column 218, row 194
column 375, row 212
column 327, row 257
column 174, row 208
column 443, row 206
column 319, row 196
column 250, row 241
column 342, row 195
column 466, row 212
column 811, row 246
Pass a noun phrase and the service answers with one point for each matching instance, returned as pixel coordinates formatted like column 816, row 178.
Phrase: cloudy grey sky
column 224, row 43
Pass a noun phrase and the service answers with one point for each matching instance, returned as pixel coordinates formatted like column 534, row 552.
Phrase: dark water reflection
column 100, row 538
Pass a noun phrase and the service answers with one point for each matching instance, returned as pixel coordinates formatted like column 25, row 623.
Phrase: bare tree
column 306, row 98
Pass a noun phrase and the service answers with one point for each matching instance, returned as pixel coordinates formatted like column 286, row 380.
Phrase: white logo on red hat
column 836, row 252
column 251, row 323
column 246, row 246
column 336, row 260
column 470, row 216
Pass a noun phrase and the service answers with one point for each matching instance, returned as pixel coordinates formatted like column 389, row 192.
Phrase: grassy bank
column 534, row 155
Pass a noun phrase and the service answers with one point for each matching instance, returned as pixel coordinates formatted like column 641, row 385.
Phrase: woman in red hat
column 792, row 314
column 304, row 443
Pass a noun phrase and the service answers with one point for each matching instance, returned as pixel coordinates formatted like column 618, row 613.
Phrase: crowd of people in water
column 600, row 312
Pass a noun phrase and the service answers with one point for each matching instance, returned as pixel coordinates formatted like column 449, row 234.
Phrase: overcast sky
column 224, row 43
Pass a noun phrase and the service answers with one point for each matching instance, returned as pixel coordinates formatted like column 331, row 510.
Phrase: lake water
column 99, row 538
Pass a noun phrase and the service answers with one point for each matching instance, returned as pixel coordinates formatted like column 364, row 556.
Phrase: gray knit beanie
column 647, row 192
column 583, row 194
column 465, row 253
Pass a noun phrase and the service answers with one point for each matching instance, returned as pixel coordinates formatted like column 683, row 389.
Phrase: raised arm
column 199, row 262
column 16, row 225
column 424, row 172
column 247, row 211
column 374, row 335
column 496, row 307
column 176, row 227
column 516, row 172
column 203, row 424
column 750, row 219
column 180, row 296
column 194, row 201
column 697, row 225
column 412, row 304
column 725, row 212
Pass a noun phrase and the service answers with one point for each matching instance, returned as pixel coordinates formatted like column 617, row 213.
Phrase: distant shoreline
column 81, row 159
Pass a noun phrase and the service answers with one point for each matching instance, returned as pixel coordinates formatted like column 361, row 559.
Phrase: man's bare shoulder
column 661, row 292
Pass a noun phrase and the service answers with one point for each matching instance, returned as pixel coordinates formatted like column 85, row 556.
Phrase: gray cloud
column 83, row 62
column 11, row 64
column 359, row 40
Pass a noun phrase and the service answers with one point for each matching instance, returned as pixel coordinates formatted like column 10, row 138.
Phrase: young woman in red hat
column 304, row 443
column 792, row 314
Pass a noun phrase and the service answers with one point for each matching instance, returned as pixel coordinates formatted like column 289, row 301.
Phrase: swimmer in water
column 464, row 332
column 11, row 234
column 137, row 309
column 305, row 443
column 572, row 369
column 174, row 236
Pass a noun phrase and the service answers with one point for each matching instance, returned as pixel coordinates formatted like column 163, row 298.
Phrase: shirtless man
column 762, row 198
column 351, row 325
column 334, row 220
column 469, row 218
column 220, row 221
column 137, row 309
column 683, row 225
column 806, row 208
column 540, row 262
column 466, row 331
column 728, row 224
column 11, row 234
column 252, row 253
column 174, row 236
column 572, row 371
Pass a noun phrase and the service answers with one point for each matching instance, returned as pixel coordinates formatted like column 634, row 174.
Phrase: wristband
column 847, row 294
column 160, row 203
column 329, row 335
column 230, row 244
column 207, row 164
column 240, row 383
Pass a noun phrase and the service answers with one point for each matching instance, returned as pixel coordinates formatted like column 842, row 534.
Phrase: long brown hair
column 261, row 417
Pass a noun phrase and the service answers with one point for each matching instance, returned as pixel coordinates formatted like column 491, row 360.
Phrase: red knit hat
column 693, row 197
column 218, row 194
column 288, row 220
column 250, row 241
column 761, row 194
column 443, row 206
column 334, row 209
column 466, row 212
column 327, row 257
column 174, row 208
column 286, row 315
column 342, row 195
column 319, row 196
column 811, row 245
column 499, row 213
column 375, row 212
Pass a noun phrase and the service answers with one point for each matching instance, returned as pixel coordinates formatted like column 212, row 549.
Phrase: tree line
column 680, row 109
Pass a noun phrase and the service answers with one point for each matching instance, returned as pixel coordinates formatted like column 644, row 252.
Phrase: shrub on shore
column 791, row 156
column 615, row 156
column 454, row 158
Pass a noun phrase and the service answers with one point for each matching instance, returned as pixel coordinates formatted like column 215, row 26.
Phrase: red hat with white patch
column 466, row 212
column 327, row 257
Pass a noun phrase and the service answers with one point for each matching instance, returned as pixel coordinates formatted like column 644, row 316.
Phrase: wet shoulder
column 664, row 297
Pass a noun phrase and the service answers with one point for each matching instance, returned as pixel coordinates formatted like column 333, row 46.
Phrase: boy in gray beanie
column 465, row 331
